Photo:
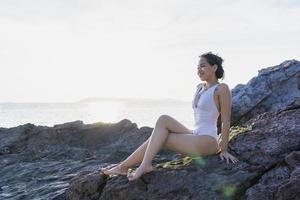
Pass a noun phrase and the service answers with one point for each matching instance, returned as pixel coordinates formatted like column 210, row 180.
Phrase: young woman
column 211, row 99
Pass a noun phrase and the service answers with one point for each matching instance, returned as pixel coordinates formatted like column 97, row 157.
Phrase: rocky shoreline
column 63, row 161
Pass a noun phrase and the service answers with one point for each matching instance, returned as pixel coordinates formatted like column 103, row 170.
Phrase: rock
column 89, row 185
column 260, row 174
column 273, row 89
column 282, row 182
column 63, row 161
column 39, row 161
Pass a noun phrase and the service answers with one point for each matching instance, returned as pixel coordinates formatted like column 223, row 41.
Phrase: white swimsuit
column 205, row 111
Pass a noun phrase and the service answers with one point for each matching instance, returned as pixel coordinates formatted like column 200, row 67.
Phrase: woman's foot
column 117, row 169
column 108, row 167
column 140, row 171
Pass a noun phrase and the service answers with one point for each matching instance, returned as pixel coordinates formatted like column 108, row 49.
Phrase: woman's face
column 205, row 70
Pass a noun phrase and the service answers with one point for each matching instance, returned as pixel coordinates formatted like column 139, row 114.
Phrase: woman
column 171, row 134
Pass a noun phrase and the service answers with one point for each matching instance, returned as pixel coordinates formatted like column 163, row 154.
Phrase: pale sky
column 66, row 50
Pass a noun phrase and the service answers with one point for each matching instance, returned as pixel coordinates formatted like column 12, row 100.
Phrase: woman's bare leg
column 137, row 156
column 186, row 143
column 156, row 141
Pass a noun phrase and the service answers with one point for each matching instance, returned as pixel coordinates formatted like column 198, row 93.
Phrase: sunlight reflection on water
column 144, row 113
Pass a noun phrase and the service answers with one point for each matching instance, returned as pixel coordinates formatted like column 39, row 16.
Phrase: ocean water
column 141, row 112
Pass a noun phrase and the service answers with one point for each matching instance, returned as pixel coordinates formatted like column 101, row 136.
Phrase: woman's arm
column 225, row 104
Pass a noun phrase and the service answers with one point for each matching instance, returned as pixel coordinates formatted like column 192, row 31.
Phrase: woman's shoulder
column 223, row 87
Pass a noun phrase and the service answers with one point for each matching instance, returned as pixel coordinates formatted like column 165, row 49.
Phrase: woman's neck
column 208, row 84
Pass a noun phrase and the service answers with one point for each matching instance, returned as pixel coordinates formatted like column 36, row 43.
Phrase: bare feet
column 115, row 169
column 108, row 167
column 140, row 171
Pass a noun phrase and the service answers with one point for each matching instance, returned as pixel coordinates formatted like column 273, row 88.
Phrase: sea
column 141, row 112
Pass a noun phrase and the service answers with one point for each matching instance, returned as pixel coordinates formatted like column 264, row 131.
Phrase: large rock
column 281, row 182
column 32, row 157
column 38, row 161
column 273, row 89
column 268, row 167
column 63, row 161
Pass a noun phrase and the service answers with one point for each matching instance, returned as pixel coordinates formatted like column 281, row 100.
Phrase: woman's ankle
column 123, row 165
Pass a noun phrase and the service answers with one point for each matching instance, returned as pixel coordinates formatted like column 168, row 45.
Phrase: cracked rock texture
column 273, row 89
column 268, row 168
column 63, row 161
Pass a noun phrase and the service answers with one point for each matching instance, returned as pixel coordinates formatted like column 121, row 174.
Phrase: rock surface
column 268, row 169
column 273, row 89
column 39, row 161
column 63, row 161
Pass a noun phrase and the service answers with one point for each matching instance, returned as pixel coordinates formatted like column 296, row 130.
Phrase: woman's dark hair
column 215, row 59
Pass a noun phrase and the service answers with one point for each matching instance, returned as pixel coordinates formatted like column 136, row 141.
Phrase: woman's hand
column 228, row 156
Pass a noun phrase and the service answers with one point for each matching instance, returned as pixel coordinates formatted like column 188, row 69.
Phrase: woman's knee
column 163, row 119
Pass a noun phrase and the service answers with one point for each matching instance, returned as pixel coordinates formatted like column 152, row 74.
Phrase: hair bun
column 219, row 59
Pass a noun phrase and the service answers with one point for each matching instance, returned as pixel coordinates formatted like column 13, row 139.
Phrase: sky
column 67, row 50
